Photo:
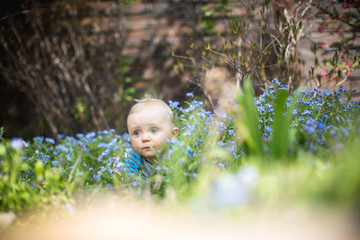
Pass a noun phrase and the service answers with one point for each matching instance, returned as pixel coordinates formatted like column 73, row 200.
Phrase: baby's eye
column 137, row 133
column 154, row 130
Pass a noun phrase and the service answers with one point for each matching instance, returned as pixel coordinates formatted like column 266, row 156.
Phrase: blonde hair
column 149, row 100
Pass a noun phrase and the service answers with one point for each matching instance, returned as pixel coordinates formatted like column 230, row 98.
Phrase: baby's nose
column 145, row 137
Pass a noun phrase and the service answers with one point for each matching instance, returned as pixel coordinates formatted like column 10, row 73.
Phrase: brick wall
column 148, row 30
column 155, row 27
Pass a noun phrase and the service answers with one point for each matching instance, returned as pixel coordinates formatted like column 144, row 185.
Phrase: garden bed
column 272, row 159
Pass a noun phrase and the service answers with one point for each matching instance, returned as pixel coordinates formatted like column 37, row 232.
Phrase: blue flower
column 275, row 82
column 197, row 104
column 173, row 104
column 332, row 132
column 17, row 143
column 284, row 86
column 60, row 136
column 269, row 107
column 79, row 135
column 268, row 129
column 303, row 92
column 232, row 147
column 309, row 127
column 50, row 140
column 327, row 93
column 90, row 135
column 96, row 177
column 38, row 139
column 186, row 133
column 261, row 109
column 70, row 139
column 189, row 94
column 103, row 145
column 306, row 112
column 221, row 165
column 321, row 125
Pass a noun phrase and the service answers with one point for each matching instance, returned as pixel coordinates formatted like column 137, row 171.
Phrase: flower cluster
column 320, row 121
column 318, row 116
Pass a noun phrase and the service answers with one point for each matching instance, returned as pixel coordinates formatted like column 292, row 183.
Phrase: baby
column 150, row 122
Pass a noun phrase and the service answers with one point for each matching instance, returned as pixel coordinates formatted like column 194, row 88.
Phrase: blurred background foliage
column 72, row 66
column 76, row 81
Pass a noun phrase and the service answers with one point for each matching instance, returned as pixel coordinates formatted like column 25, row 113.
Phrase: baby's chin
column 149, row 153
column 150, row 156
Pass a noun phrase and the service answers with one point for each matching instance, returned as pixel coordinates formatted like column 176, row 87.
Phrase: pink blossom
column 349, row 64
column 333, row 76
column 321, row 28
column 322, row 45
column 324, row 74
column 347, row 72
column 339, row 32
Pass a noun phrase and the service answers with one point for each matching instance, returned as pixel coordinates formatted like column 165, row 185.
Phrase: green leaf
column 219, row 9
column 247, row 120
column 124, row 69
column 39, row 168
column 327, row 62
column 207, row 46
column 341, row 65
column 208, row 13
column 225, row 45
column 203, row 24
column 281, row 139
column 224, row 2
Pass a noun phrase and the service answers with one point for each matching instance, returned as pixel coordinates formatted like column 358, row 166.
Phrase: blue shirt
column 135, row 163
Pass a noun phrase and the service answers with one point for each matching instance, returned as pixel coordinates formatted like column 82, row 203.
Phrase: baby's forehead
column 150, row 107
column 148, row 119
column 156, row 107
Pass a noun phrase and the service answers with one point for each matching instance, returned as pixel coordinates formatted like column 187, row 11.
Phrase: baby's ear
column 175, row 132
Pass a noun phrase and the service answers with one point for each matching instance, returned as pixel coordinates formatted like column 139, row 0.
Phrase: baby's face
column 148, row 127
